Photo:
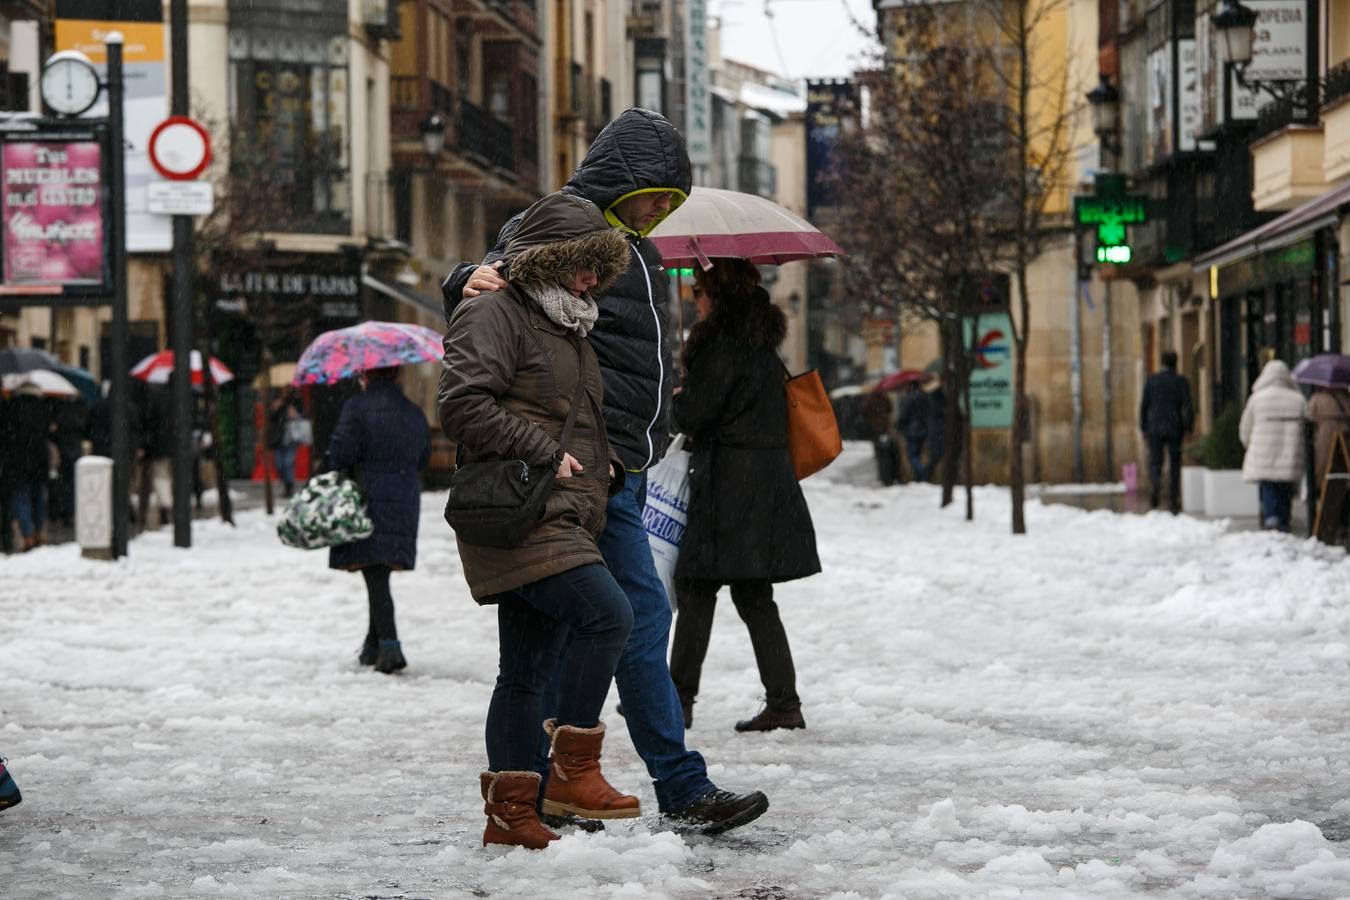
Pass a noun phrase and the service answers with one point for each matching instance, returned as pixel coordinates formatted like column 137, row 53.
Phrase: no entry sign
column 180, row 148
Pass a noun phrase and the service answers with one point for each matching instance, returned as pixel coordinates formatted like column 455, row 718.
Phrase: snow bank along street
column 1112, row 706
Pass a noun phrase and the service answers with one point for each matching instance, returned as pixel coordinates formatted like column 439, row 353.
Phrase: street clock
column 69, row 83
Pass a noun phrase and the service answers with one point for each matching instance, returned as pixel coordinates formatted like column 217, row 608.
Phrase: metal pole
column 1076, row 357
column 1106, row 380
column 181, row 339
column 121, row 381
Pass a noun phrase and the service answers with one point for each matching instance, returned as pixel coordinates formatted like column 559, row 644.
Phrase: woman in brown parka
column 513, row 362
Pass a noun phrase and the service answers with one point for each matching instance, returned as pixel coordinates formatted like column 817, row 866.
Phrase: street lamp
column 432, row 130
column 1236, row 25
column 1105, row 102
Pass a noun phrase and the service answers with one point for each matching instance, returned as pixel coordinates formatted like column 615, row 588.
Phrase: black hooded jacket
column 638, row 151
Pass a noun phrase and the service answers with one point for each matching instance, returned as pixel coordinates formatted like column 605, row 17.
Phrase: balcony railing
column 1338, row 83
column 482, row 136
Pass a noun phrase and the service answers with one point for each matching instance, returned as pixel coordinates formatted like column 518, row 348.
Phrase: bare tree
column 1039, row 136
column 960, row 170
column 923, row 181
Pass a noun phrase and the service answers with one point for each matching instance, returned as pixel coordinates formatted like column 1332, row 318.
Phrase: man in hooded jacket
column 637, row 171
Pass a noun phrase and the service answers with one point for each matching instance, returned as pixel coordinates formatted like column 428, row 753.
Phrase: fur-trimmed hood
column 559, row 235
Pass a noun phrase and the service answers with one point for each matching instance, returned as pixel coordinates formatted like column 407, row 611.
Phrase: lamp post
column 432, row 130
column 1104, row 101
column 1236, row 25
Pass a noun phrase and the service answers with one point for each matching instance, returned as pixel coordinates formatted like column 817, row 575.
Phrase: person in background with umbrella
column 1166, row 416
column 749, row 525
column 385, row 436
column 1272, row 431
column 637, row 171
column 912, row 423
column 27, row 425
column 1329, row 410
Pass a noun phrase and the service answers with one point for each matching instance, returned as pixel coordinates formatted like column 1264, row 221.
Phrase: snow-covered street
column 1112, row 706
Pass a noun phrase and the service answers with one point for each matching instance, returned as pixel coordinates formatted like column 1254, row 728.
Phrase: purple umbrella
column 1329, row 370
column 347, row 352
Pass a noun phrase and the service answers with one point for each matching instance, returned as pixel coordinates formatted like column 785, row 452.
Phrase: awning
column 1289, row 228
column 404, row 294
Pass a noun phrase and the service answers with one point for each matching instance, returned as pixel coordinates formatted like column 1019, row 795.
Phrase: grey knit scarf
column 562, row 307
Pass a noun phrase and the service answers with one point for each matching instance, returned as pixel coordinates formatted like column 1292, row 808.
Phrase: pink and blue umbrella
column 347, row 352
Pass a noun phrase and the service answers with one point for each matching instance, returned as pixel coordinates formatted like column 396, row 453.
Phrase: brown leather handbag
column 813, row 432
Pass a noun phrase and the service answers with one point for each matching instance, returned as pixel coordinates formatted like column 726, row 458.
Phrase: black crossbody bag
column 497, row 503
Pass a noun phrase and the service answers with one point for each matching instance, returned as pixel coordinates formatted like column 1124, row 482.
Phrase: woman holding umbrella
column 384, row 436
column 748, row 522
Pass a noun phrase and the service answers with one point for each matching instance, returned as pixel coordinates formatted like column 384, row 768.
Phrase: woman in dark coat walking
column 384, row 434
column 748, row 522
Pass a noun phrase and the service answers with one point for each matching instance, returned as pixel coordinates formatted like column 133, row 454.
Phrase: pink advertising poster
column 51, row 200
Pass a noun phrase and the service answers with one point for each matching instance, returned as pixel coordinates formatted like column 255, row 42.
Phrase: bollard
column 94, row 506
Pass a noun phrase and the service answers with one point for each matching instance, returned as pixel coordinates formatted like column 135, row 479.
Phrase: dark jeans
column 914, row 453
column 28, row 502
column 888, row 459
column 650, row 704
column 381, row 602
column 584, row 604
column 754, row 603
column 284, row 459
column 1277, row 502
column 1157, row 446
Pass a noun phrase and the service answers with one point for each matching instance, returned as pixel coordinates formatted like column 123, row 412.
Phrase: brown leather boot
column 508, row 801
column 575, row 783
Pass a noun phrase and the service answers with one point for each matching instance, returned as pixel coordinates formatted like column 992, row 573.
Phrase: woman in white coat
column 1272, row 432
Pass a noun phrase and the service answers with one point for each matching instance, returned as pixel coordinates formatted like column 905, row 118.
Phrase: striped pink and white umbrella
column 157, row 367
column 714, row 222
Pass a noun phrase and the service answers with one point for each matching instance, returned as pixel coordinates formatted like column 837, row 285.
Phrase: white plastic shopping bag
column 667, row 511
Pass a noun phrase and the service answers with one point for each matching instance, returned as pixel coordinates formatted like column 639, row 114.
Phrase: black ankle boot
column 391, row 658
column 370, row 650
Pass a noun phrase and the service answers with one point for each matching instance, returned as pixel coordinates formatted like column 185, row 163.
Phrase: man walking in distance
column 1166, row 416
column 636, row 171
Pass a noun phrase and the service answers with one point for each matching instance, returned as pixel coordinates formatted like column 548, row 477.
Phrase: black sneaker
column 590, row 826
column 718, row 811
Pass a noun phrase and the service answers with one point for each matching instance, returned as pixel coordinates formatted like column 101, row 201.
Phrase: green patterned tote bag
column 327, row 511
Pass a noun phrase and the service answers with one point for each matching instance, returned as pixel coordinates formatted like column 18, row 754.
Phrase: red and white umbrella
column 157, row 367
column 714, row 222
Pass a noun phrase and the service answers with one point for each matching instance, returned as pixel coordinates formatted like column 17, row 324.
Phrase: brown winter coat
column 1330, row 411
column 507, row 383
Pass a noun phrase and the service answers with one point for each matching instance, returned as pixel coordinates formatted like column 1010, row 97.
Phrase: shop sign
column 51, row 194
column 1279, row 52
column 989, row 340
column 330, row 285
column 697, row 97
column 84, row 25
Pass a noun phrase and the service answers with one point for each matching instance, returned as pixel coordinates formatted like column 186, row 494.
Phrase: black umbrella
column 26, row 359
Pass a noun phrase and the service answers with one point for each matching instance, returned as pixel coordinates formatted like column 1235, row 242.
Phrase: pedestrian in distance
column 27, row 427
column 878, row 412
column 516, row 363
column 912, row 423
column 286, row 427
column 1329, row 410
column 1272, row 431
column 383, row 436
column 636, row 172
column 157, row 446
column 748, row 522
column 1166, row 416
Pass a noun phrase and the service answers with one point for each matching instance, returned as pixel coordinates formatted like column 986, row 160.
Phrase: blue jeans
column 284, row 459
column 914, row 453
column 1277, row 502
column 650, row 704
column 582, row 605
column 29, row 502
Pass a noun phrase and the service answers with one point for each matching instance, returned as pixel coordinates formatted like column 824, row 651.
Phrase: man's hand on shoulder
column 484, row 280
